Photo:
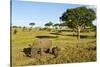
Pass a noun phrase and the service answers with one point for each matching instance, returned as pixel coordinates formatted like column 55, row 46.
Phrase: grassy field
column 71, row 51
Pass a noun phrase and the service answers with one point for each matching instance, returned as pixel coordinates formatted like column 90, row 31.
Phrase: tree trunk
column 78, row 33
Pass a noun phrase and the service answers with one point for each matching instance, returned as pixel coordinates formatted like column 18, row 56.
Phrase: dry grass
column 72, row 51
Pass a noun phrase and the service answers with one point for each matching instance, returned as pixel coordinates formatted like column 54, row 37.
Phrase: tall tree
column 78, row 18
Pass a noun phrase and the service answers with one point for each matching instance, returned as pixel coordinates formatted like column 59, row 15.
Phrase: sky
column 24, row 12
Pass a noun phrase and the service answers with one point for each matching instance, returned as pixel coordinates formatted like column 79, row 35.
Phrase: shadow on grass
column 66, row 30
column 46, row 36
column 56, row 33
column 82, row 36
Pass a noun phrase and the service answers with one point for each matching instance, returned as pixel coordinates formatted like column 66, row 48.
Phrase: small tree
column 14, row 26
column 61, row 25
column 15, row 31
column 78, row 18
column 49, row 24
column 24, row 28
column 56, row 25
column 31, row 24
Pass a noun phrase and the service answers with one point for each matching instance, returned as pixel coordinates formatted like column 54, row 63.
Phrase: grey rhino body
column 39, row 47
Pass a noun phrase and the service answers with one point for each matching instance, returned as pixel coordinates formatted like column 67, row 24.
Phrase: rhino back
column 42, row 43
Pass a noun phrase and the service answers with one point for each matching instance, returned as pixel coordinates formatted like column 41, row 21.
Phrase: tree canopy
column 49, row 24
column 78, row 18
column 31, row 24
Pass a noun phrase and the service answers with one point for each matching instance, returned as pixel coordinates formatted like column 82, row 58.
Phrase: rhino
column 41, row 46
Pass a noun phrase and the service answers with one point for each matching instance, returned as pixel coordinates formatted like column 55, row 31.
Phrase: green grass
column 72, row 51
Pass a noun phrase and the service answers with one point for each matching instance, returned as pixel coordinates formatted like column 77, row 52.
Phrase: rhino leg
column 27, row 51
column 46, row 50
column 34, row 52
column 55, row 51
